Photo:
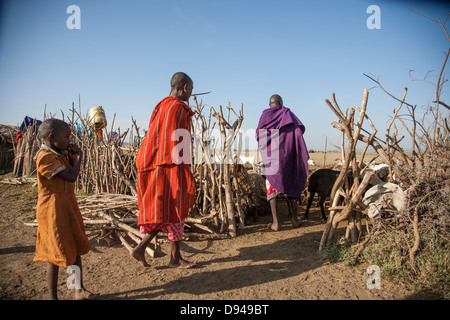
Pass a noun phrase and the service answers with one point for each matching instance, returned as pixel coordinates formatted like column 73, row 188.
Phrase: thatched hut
column 26, row 147
column 7, row 140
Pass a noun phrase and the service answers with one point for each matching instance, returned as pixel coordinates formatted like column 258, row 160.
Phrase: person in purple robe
column 284, row 155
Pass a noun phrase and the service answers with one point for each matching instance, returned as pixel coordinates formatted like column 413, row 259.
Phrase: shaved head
column 275, row 100
column 52, row 126
column 180, row 79
column 181, row 86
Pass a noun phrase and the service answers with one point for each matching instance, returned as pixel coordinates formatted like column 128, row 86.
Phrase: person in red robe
column 165, row 184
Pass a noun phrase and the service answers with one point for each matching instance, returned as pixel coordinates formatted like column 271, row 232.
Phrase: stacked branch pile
column 424, row 177
column 414, row 235
column 108, row 163
column 218, row 194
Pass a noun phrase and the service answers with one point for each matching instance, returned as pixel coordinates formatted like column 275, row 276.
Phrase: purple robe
column 289, row 157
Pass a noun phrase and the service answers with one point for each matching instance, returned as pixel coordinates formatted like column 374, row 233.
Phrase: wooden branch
column 121, row 225
column 355, row 198
column 127, row 181
column 351, row 205
column 328, row 225
column 442, row 24
column 203, row 236
column 442, row 104
column 108, row 221
column 124, row 242
column 382, row 88
column 201, row 219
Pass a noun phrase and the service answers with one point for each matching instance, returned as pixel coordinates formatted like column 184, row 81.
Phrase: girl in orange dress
column 61, row 237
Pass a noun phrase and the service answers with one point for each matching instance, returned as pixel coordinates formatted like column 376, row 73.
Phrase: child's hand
column 75, row 155
column 75, row 152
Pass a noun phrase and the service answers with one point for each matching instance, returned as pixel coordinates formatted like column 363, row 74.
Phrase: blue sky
column 125, row 53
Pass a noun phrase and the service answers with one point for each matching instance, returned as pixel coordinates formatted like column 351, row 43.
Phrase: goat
column 253, row 191
column 321, row 182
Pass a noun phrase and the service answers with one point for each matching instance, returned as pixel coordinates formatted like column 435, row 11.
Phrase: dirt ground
column 257, row 265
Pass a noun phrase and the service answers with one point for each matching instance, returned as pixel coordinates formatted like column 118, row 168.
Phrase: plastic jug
column 97, row 117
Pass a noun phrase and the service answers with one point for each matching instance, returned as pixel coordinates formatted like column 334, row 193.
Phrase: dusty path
column 258, row 264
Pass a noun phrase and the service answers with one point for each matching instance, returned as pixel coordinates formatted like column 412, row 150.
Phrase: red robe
column 165, row 186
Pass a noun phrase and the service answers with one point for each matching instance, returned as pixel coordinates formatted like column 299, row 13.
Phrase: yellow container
column 97, row 117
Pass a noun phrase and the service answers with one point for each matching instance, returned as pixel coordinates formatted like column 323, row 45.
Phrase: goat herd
column 320, row 182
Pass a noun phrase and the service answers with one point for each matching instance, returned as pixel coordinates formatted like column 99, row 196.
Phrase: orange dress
column 61, row 236
column 165, row 187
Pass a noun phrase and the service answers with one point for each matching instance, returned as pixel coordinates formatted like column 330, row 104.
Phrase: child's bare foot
column 140, row 257
column 182, row 264
column 83, row 294
column 273, row 227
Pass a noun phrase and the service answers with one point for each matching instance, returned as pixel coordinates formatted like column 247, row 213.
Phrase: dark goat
column 321, row 182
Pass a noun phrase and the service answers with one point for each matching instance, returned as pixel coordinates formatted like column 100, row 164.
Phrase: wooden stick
column 122, row 225
column 124, row 242
column 202, row 236
column 351, row 206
